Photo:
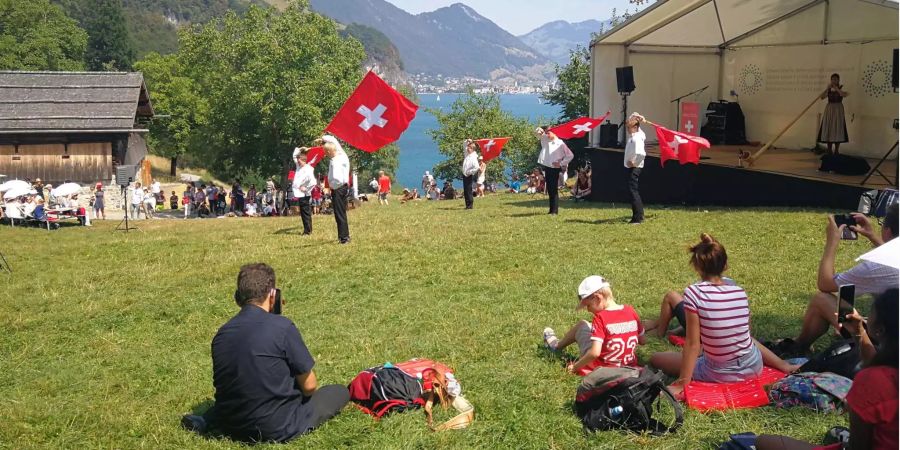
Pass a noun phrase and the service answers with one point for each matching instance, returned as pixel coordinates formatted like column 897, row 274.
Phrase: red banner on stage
column 690, row 118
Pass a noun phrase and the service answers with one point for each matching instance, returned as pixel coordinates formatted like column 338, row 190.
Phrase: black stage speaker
column 625, row 79
column 894, row 71
column 608, row 135
column 125, row 175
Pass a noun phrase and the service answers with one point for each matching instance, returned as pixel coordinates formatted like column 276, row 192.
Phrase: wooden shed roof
column 72, row 102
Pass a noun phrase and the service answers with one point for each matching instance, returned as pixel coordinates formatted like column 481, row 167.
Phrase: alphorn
column 752, row 159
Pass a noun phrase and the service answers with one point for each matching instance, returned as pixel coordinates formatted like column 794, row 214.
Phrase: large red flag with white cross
column 677, row 145
column 578, row 127
column 491, row 148
column 375, row 115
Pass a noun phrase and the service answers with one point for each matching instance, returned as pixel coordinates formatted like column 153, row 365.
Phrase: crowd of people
column 35, row 205
column 714, row 314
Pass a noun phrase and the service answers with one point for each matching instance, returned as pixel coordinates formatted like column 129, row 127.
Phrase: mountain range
column 451, row 41
column 556, row 39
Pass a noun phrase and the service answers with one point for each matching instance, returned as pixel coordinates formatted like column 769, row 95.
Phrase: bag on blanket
column 821, row 392
column 416, row 383
column 842, row 358
column 627, row 402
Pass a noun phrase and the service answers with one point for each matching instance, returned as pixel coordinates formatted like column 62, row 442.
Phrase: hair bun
column 706, row 238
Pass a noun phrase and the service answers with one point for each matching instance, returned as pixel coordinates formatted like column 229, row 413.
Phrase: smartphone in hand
column 848, row 220
column 276, row 308
column 847, row 293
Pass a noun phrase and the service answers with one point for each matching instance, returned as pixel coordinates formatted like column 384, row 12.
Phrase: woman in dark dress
column 833, row 130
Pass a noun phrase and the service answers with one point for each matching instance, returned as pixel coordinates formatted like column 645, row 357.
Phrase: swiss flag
column 374, row 116
column 677, row 145
column 315, row 155
column 490, row 148
column 578, row 127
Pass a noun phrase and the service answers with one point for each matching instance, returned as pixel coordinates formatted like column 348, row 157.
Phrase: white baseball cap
column 590, row 285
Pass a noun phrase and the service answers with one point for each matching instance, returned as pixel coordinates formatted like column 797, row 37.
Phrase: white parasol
column 887, row 254
column 14, row 184
column 18, row 192
column 66, row 189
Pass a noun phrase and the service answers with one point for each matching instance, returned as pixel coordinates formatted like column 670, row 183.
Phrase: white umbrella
column 66, row 189
column 887, row 254
column 14, row 184
column 18, row 192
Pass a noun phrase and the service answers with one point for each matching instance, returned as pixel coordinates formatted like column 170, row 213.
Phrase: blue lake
column 419, row 153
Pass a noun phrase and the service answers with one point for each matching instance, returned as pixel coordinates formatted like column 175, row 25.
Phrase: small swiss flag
column 315, row 155
column 490, row 148
column 578, row 127
column 374, row 116
column 677, row 145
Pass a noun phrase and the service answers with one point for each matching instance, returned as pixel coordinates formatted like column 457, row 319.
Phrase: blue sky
column 521, row 16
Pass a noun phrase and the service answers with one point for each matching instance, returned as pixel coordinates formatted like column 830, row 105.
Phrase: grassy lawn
column 106, row 335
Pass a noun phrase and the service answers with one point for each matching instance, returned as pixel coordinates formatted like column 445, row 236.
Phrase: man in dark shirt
column 266, row 389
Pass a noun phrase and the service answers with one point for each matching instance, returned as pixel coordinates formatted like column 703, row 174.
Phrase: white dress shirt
column 554, row 152
column 339, row 170
column 634, row 149
column 470, row 164
column 304, row 179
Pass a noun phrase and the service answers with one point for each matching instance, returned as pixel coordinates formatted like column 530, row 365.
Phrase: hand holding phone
column 847, row 293
column 847, row 220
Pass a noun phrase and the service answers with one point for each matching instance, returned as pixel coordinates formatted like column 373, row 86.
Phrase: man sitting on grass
column 868, row 277
column 266, row 390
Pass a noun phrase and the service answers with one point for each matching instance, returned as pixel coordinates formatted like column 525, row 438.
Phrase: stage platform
column 781, row 177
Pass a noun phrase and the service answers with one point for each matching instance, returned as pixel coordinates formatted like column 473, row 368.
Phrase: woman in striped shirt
column 718, row 322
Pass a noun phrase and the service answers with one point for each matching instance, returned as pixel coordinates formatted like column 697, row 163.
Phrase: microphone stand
column 677, row 102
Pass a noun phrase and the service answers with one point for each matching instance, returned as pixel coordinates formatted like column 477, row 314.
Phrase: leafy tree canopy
column 243, row 91
column 36, row 35
column 477, row 116
column 573, row 92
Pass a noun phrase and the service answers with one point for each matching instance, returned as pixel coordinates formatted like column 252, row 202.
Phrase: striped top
column 724, row 313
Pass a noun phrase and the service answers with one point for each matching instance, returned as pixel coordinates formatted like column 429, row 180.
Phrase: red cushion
column 718, row 396
column 676, row 340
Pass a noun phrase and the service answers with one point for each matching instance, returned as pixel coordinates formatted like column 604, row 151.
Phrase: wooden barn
column 75, row 126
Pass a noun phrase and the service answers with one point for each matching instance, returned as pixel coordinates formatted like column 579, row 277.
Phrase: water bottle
column 616, row 411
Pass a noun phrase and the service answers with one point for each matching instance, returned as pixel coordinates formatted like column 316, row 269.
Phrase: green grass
column 106, row 335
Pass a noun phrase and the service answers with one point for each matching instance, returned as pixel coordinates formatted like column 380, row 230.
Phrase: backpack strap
column 676, row 406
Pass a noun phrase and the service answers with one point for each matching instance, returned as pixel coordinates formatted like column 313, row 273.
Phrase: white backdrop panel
column 776, row 83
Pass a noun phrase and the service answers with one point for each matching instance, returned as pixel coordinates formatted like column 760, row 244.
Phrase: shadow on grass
column 293, row 231
column 614, row 221
column 522, row 215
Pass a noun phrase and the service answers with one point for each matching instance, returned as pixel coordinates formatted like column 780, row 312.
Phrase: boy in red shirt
column 609, row 340
column 384, row 187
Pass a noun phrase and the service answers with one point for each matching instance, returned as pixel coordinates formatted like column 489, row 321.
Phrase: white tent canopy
column 772, row 56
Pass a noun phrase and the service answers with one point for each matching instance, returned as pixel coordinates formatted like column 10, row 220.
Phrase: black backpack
column 628, row 403
column 842, row 358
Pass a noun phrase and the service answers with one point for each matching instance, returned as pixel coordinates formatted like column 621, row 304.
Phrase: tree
column 109, row 44
column 573, row 91
column 36, row 35
column 270, row 82
column 477, row 116
column 179, row 109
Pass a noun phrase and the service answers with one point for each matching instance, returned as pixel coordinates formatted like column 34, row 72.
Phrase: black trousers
column 306, row 215
column 467, row 191
column 637, row 207
column 339, row 204
column 551, row 181
column 326, row 403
